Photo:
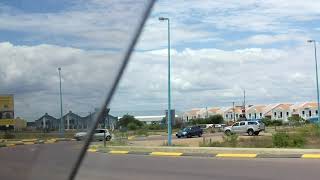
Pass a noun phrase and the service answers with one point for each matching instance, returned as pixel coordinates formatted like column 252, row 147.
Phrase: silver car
column 250, row 127
column 98, row 135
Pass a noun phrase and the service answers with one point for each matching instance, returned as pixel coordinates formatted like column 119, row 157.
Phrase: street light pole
column 61, row 113
column 169, row 83
column 316, row 61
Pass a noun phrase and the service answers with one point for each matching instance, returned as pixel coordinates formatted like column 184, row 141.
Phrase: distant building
column 255, row 112
column 150, row 119
column 192, row 114
column 73, row 121
column 279, row 112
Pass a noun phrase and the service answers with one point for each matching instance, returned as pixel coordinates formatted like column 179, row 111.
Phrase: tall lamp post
column 61, row 113
column 316, row 61
column 169, row 82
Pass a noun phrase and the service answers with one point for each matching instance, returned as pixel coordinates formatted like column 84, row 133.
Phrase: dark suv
column 190, row 131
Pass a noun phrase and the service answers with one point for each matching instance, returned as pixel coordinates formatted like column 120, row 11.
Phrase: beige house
column 305, row 110
column 279, row 112
column 192, row 114
column 255, row 112
column 231, row 114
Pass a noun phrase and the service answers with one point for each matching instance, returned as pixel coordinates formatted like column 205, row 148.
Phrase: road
column 53, row 162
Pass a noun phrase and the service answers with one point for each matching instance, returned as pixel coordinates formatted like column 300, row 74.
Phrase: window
column 226, row 115
column 280, row 114
column 287, row 113
column 242, row 123
column 237, row 115
column 236, row 124
column 255, row 115
column 252, row 123
column 302, row 112
column 316, row 112
column 310, row 113
column 275, row 114
column 260, row 114
column 250, row 115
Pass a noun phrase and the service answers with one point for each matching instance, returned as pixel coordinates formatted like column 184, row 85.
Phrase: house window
column 303, row 113
column 237, row 115
column 231, row 116
column 226, row 115
column 275, row 114
column 280, row 114
column 316, row 112
column 255, row 115
column 250, row 115
column 310, row 113
column 260, row 115
column 287, row 113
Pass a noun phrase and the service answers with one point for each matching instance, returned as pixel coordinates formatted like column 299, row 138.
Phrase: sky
column 218, row 49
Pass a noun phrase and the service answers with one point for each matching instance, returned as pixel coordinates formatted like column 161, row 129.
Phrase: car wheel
column 256, row 133
column 228, row 132
column 178, row 136
column 108, row 138
column 250, row 132
column 199, row 134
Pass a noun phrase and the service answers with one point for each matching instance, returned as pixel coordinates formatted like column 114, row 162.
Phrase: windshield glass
column 60, row 62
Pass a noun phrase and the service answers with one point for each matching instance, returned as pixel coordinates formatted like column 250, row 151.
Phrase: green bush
column 267, row 121
column 8, row 135
column 142, row 132
column 231, row 140
column 132, row 126
column 277, row 123
column 283, row 139
column 128, row 119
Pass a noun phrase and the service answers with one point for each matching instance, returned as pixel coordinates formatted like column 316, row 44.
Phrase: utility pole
column 234, row 114
column 61, row 113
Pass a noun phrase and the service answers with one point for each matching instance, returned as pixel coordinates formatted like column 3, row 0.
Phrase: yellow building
column 7, row 110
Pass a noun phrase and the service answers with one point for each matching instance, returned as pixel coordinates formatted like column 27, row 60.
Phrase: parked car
column 250, row 127
column 189, row 132
column 98, row 135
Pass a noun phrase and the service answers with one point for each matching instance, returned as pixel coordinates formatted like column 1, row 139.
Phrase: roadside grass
column 165, row 143
column 34, row 135
column 307, row 136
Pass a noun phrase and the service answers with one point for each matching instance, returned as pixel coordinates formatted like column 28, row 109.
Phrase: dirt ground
column 158, row 140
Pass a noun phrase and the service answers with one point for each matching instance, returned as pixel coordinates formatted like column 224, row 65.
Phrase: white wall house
column 255, row 112
column 231, row 113
column 305, row 110
column 279, row 112
column 192, row 114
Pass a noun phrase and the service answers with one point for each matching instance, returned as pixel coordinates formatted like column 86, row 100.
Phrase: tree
column 215, row 119
column 126, row 120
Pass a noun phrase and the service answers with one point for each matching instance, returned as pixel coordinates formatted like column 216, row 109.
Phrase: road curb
column 32, row 141
column 220, row 155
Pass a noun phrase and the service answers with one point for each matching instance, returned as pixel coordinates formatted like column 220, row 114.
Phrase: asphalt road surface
column 132, row 167
column 53, row 162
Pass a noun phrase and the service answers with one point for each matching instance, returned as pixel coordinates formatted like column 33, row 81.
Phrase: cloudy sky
column 219, row 48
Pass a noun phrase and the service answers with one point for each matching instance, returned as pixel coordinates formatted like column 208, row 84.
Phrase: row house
column 279, row 111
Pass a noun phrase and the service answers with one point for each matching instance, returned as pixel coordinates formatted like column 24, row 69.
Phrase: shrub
column 231, row 140
column 267, row 121
column 132, row 126
column 8, row 136
column 142, row 132
column 282, row 139
column 277, row 122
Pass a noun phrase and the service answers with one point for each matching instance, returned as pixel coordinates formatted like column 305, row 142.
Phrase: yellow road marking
column 237, row 155
column 118, row 152
column 311, row 156
column 131, row 137
column 10, row 145
column 166, row 154
column 28, row 143
column 92, row 150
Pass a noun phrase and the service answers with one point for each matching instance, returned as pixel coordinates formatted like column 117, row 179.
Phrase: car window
column 236, row 124
column 242, row 123
column 252, row 123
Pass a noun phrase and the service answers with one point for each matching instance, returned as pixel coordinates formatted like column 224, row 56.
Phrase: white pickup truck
column 250, row 127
